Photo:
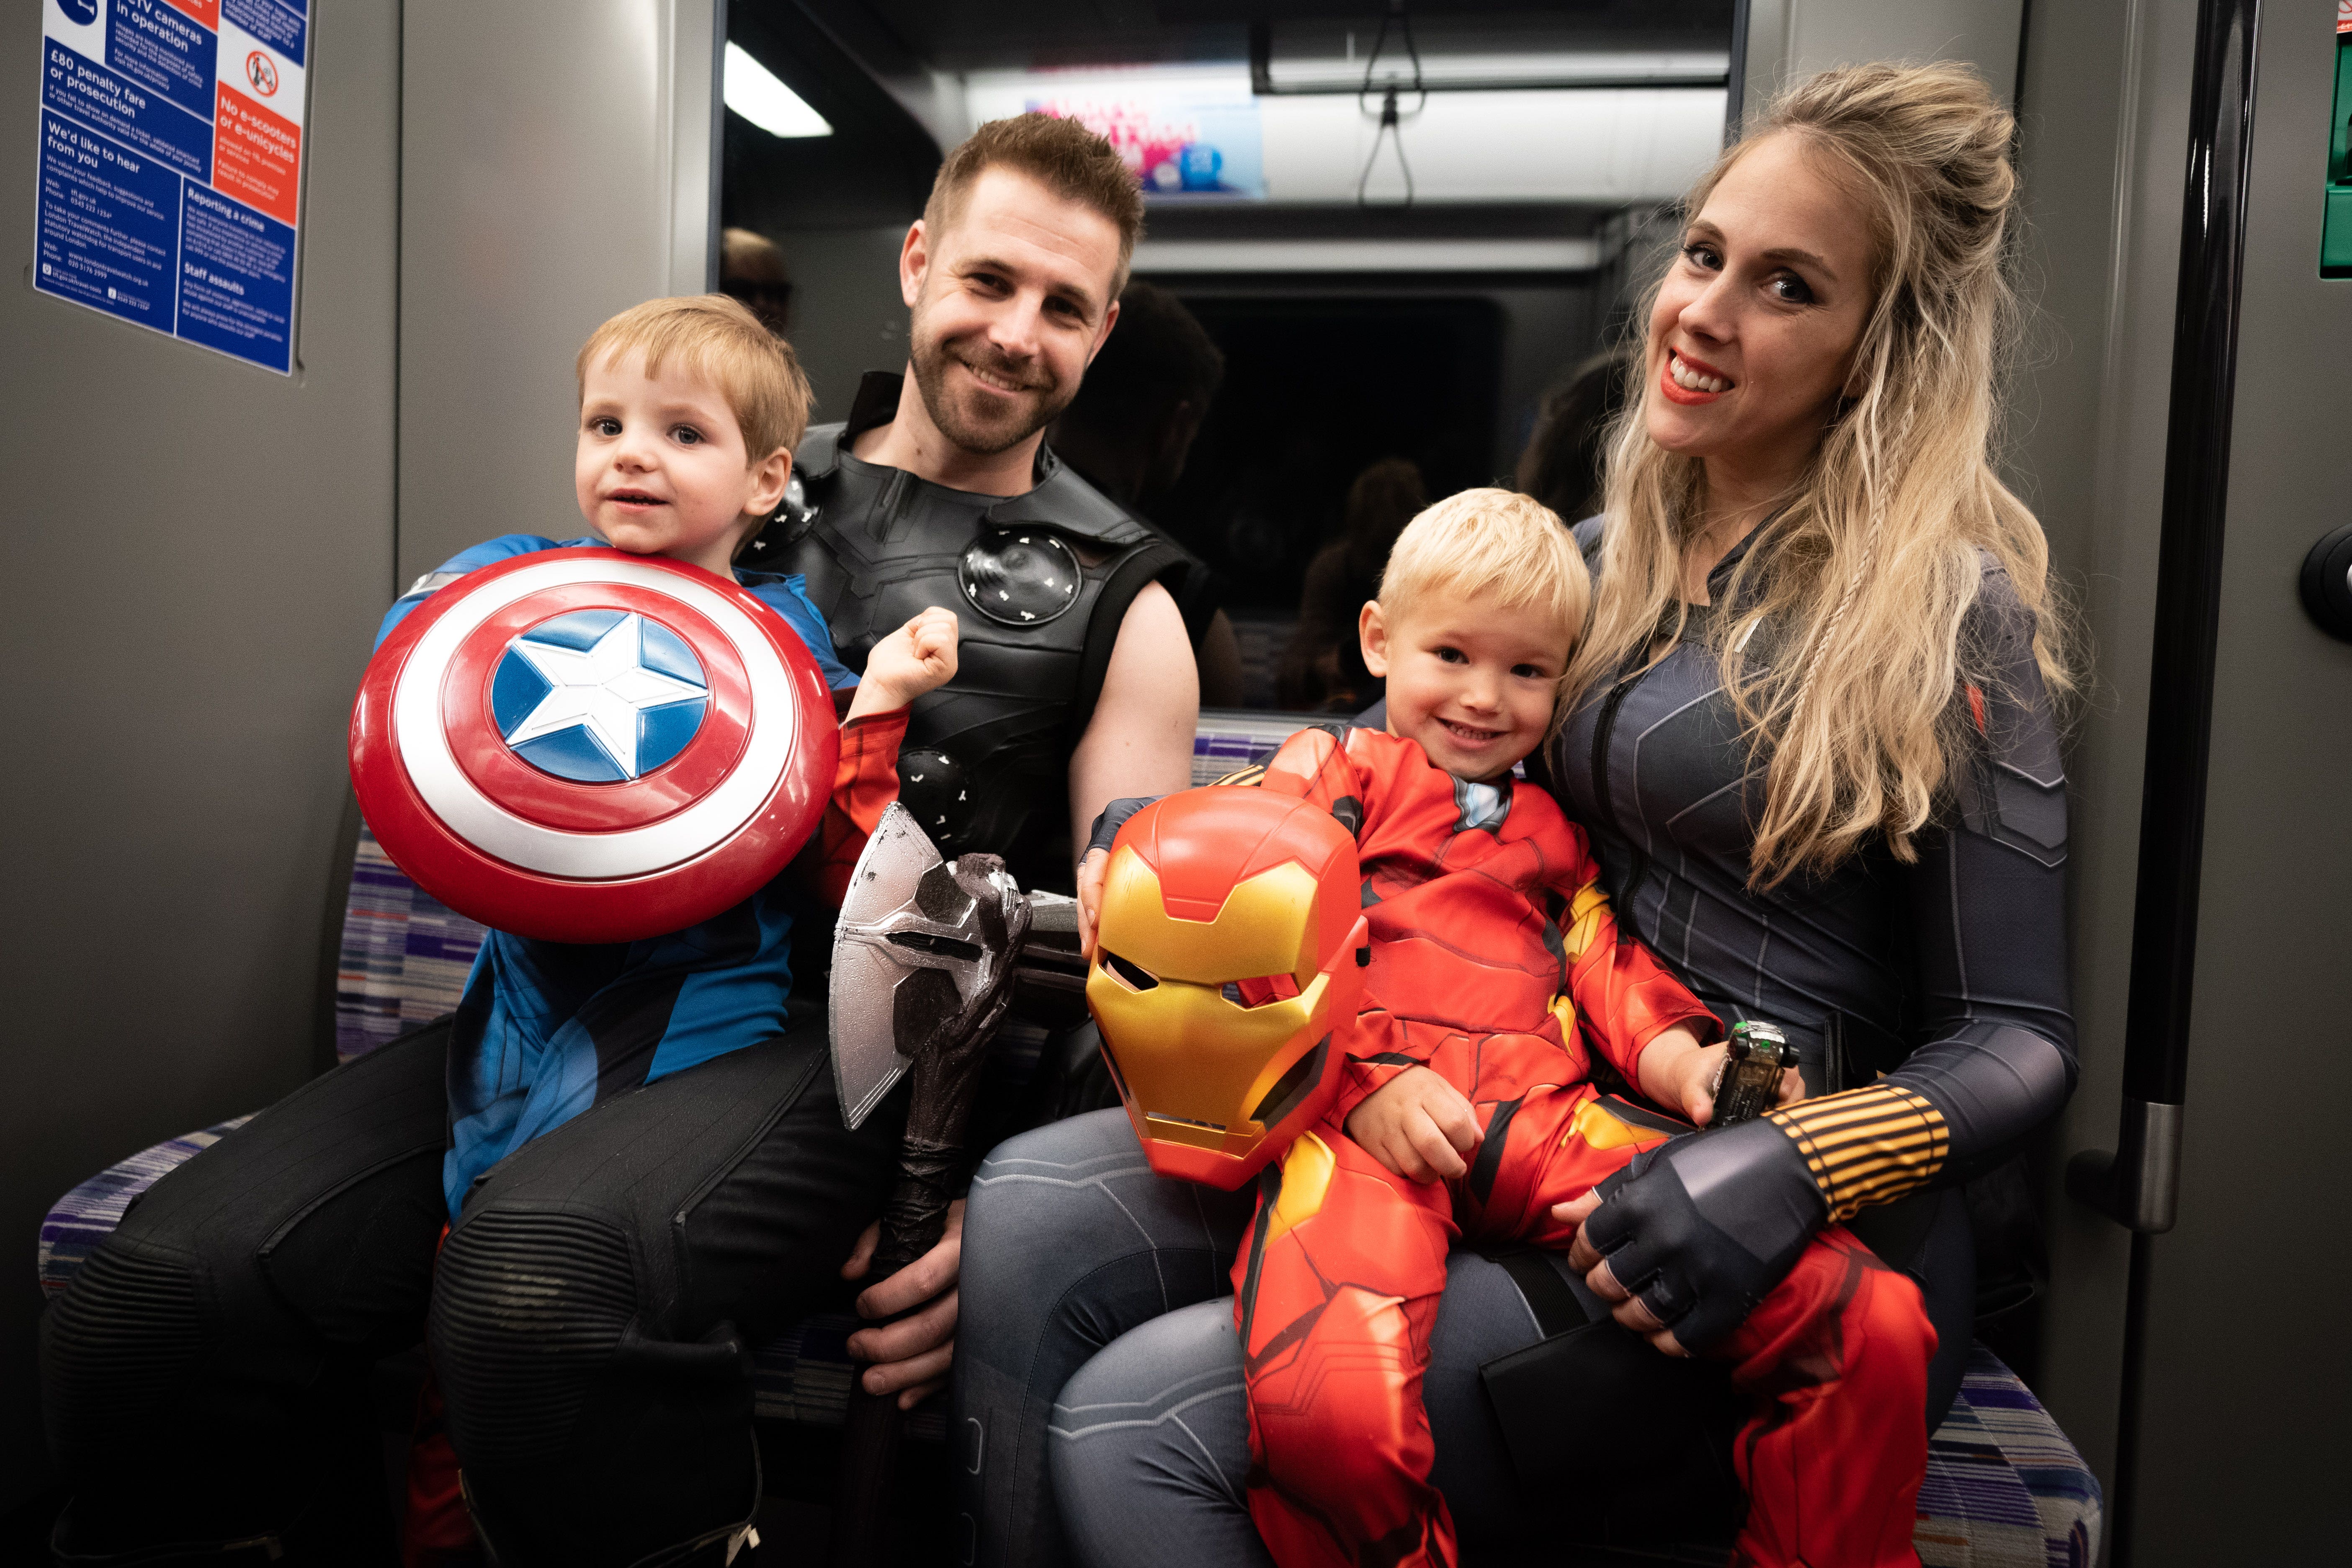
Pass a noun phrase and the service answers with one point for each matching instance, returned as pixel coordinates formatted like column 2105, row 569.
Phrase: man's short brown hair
column 720, row 341
column 1062, row 155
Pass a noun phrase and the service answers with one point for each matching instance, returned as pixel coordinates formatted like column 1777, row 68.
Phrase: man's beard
column 951, row 406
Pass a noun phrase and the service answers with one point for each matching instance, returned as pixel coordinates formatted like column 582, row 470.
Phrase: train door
column 2191, row 464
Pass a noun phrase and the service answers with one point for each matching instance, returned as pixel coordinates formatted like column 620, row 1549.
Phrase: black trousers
column 589, row 1319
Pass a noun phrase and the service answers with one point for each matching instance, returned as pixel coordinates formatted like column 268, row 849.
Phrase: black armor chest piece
column 1039, row 583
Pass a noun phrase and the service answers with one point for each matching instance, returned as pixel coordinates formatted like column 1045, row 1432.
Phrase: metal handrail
column 2138, row 1185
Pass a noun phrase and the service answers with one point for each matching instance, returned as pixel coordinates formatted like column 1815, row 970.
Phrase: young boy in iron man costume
column 1465, row 1106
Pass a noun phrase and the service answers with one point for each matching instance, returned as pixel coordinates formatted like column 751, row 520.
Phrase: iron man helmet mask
column 1229, row 947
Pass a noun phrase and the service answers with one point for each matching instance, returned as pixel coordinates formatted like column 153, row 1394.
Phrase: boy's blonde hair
column 718, row 341
column 1490, row 542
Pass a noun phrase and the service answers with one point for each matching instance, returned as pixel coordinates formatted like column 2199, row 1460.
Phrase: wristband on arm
column 1868, row 1146
column 1114, row 817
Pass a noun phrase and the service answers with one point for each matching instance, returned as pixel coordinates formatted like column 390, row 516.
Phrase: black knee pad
column 582, row 1439
column 129, row 1356
column 528, row 1310
column 116, row 1348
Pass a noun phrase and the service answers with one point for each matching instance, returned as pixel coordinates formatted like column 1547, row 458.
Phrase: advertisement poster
column 1179, row 142
column 171, row 166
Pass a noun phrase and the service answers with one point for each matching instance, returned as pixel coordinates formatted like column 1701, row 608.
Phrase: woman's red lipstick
column 1677, row 393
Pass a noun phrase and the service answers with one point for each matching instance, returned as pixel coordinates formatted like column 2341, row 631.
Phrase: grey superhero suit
column 1943, row 980
column 1040, row 581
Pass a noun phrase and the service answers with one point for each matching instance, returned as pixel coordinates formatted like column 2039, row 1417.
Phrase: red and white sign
column 256, row 154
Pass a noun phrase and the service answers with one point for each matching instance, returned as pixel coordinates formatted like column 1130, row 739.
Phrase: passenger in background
column 752, row 269
column 1323, row 668
column 1129, row 432
column 1562, row 464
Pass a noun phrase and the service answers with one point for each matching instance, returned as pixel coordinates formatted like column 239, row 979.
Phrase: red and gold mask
column 1229, row 947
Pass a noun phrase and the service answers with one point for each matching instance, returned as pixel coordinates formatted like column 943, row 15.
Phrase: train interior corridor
column 1391, row 250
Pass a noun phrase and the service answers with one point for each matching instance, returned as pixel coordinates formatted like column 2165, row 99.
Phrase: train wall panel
column 197, row 551
column 2104, row 120
column 1791, row 38
column 556, row 168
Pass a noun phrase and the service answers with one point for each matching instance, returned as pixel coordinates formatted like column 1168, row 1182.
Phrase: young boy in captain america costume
column 688, row 413
column 1466, row 1107
column 689, row 410
column 627, row 1156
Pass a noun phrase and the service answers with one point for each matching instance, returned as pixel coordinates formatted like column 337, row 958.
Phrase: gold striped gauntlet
column 1867, row 1146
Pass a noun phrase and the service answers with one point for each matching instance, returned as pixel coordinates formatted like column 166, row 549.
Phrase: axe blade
column 867, row 1064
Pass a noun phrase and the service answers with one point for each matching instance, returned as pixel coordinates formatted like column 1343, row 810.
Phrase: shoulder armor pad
column 815, row 456
column 1062, row 500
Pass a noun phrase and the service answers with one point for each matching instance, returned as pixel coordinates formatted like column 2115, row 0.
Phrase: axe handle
column 1043, row 968
column 946, row 1068
column 913, row 1224
column 915, row 1217
column 869, row 1463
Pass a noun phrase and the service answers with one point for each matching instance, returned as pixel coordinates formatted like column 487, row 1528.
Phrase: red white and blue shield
column 584, row 745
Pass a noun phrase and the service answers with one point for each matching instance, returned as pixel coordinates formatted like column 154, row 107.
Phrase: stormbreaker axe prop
column 924, row 958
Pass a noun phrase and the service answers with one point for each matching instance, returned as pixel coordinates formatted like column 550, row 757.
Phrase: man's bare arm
column 1139, row 741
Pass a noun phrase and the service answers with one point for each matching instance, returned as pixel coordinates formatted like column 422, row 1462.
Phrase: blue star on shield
column 599, row 696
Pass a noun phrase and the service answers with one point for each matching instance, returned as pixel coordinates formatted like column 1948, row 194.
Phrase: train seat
column 2004, row 1489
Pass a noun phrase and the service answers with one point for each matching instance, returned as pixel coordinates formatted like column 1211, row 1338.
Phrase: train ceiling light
column 752, row 91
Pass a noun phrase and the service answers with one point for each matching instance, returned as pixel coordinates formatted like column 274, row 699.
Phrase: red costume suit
column 1497, row 963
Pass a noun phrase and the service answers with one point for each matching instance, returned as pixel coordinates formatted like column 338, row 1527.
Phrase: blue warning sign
column 170, row 166
column 109, row 224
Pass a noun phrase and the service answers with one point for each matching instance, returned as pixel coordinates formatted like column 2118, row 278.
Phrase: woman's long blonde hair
column 1863, row 574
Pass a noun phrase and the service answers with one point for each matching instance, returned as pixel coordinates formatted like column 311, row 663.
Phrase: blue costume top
column 547, row 1029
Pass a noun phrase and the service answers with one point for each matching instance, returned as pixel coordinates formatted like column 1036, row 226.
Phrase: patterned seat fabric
column 2004, row 1488
column 406, row 955
column 88, row 1215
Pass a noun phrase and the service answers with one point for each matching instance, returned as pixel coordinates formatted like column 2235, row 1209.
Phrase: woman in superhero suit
column 1815, row 753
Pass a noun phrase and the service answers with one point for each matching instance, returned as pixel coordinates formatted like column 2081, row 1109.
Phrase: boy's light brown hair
column 1490, row 542
column 1062, row 155
column 718, row 341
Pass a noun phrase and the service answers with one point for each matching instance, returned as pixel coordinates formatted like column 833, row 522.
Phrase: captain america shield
column 584, row 745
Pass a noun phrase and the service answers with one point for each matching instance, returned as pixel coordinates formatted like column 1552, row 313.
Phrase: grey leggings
column 1070, row 1243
